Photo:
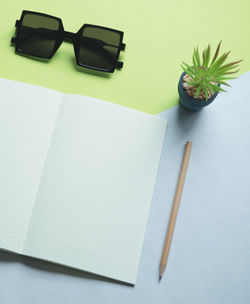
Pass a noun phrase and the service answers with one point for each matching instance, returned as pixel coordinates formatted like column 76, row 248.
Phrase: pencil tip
column 159, row 278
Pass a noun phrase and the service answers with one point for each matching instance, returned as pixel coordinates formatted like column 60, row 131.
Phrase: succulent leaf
column 197, row 93
column 197, row 56
column 216, row 53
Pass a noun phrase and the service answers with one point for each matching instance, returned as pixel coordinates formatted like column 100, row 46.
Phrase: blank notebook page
column 27, row 118
column 96, row 188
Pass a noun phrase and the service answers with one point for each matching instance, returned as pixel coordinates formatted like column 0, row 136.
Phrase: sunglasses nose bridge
column 68, row 36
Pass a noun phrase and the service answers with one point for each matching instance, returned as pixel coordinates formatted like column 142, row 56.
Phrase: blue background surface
column 209, row 260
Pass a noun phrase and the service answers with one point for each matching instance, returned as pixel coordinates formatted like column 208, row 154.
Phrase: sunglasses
column 96, row 47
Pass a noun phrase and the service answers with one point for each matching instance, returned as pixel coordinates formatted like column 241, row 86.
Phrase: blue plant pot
column 192, row 104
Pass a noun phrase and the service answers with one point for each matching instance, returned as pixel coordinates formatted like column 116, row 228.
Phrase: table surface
column 159, row 35
column 209, row 257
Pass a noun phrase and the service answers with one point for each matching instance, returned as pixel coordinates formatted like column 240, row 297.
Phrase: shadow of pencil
column 46, row 266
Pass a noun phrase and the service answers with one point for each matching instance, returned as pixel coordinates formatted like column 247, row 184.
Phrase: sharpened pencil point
column 159, row 278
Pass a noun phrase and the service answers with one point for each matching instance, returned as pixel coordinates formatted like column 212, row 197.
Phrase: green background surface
column 159, row 35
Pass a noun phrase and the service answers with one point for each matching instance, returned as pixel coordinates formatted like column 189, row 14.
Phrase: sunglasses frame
column 63, row 35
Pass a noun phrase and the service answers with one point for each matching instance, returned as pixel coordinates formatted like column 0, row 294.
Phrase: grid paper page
column 93, row 203
column 27, row 117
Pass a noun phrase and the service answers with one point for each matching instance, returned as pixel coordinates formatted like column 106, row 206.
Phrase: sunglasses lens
column 99, row 48
column 37, row 35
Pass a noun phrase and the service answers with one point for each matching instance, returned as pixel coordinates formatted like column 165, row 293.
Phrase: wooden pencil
column 175, row 207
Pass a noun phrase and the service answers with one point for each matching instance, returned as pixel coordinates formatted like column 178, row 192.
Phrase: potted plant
column 201, row 82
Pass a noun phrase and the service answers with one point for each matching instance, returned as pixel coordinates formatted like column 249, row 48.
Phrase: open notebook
column 77, row 176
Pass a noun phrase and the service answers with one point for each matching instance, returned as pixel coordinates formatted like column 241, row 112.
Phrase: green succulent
column 206, row 74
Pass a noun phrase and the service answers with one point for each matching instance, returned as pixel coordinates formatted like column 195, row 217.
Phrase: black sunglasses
column 95, row 47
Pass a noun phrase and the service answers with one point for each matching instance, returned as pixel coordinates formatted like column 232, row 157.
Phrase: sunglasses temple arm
column 31, row 32
column 56, row 34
